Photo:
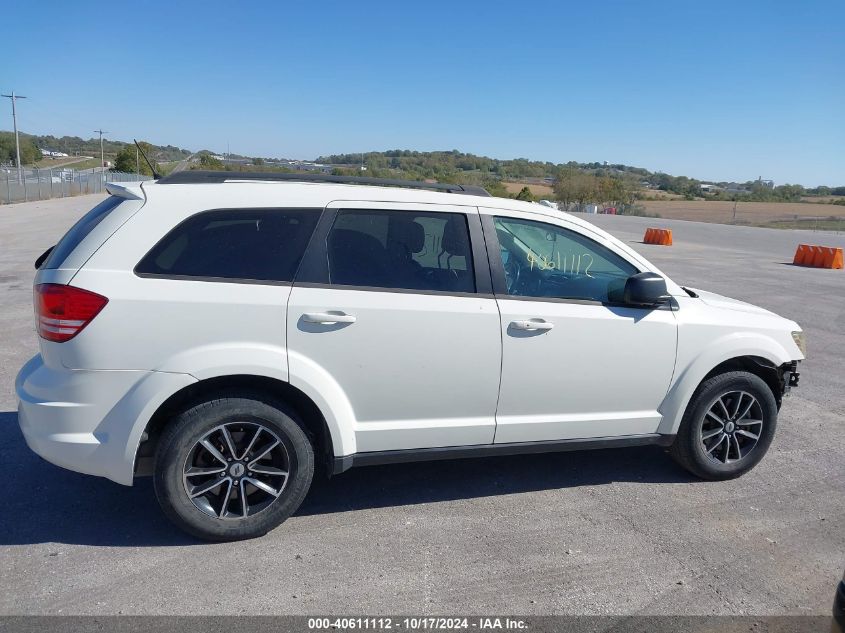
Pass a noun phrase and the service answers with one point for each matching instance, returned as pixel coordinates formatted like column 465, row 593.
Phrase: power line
column 14, row 98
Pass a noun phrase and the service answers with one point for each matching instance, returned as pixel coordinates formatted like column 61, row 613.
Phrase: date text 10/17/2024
column 422, row 623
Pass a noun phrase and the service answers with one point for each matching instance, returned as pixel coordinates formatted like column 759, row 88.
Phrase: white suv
column 227, row 333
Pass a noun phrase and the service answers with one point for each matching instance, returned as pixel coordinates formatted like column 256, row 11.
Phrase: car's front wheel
column 233, row 468
column 727, row 427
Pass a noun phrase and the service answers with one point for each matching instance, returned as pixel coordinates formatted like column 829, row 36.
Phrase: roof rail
column 207, row 177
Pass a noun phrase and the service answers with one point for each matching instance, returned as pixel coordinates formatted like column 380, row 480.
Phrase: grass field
column 71, row 162
column 823, row 199
column 87, row 164
column 775, row 214
column 786, row 215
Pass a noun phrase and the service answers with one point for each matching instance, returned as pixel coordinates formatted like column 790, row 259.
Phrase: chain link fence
column 42, row 184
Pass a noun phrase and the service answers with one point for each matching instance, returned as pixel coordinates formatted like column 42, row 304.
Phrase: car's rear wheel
column 727, row 427
column 233, row 468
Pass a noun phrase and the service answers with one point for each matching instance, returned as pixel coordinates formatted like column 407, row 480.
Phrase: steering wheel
column 513, row 271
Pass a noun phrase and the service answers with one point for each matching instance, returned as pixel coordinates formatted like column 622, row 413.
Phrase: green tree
column 29, row 150
column 495, row 188
column 565, row 185
column 125, row 160
column 207, row 161
column 576, row 187
column 790, row 193
column 525, row 194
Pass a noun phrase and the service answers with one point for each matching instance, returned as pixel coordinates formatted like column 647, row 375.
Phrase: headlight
column 800, row 341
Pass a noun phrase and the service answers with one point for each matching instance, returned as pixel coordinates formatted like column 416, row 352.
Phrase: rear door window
column 401, row 249
column 247, row 244
column 80, row 231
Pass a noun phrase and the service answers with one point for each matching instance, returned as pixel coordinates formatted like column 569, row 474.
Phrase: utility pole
column 14, row 98
column 102, row 156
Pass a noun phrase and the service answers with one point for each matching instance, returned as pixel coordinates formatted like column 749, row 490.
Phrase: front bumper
column 839, row 608
column 789, row 376
column 89, row 421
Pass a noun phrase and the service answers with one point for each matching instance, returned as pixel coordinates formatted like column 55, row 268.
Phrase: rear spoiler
column 128, row 190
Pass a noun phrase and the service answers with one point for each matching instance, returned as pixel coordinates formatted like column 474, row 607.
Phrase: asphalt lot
column 606, row 532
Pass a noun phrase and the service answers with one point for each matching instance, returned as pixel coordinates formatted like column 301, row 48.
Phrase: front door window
column 544, row 260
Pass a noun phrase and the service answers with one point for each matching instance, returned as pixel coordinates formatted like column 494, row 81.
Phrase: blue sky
column 714, row 90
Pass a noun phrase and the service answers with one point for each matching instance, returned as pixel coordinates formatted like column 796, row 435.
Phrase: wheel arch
column 757, row 365
column 317, row 427
column 758, row 355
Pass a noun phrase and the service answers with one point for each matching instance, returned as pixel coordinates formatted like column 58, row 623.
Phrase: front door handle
column 328, row 318
column 532, row 325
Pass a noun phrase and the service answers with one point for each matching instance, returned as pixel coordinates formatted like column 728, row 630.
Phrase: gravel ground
column 605, row 532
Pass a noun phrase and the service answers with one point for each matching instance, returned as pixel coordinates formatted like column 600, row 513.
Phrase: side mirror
column 645, row 290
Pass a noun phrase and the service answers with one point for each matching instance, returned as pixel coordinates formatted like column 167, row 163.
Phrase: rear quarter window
column 237, row 244
column 79, row 232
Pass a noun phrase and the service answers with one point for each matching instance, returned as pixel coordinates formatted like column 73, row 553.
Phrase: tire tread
column 683, row 449
column 197, row 413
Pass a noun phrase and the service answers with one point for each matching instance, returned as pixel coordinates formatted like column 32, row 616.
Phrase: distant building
column 306, row 165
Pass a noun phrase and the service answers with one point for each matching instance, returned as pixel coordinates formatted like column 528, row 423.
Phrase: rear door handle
column 532, row 325
column 328, row 318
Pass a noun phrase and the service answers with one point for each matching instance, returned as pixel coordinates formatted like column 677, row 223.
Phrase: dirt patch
column 538, row 191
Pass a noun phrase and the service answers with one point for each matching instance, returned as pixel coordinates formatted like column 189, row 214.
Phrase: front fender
column 691, row 372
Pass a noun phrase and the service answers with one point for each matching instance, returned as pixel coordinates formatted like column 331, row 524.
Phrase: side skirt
column 374, row 458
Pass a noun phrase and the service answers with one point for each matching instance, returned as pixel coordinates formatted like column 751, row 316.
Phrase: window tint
column 401, row 249
column 543, row 260
column 256, row 244
column 80, row 231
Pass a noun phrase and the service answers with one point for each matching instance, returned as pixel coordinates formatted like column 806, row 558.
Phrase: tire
column 188, row 490
column 717, row 451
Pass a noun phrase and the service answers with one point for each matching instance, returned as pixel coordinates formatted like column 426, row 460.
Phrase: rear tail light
column 62, row 312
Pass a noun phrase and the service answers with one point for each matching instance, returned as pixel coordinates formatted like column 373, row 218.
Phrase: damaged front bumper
column 789, row 376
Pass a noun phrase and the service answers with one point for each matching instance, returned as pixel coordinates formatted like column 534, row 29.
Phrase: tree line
column 29, row 150
column 32, row 144
column 574, row 183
